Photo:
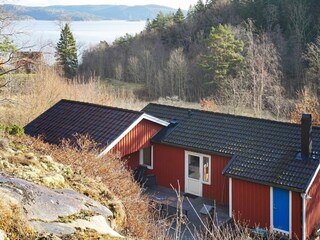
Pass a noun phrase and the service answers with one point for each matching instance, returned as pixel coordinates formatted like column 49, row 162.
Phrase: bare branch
column 10, row 70
column 5, row 84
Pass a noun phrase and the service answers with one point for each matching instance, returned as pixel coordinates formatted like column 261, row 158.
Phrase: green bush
column 15, row 130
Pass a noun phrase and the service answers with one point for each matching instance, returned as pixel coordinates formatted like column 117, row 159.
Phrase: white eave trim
column 135, row 123
column 155, row 119
column 230, row 197
column 313, row 178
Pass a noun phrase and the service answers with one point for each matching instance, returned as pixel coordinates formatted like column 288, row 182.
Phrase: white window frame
column 141, row 158
column 201, row 156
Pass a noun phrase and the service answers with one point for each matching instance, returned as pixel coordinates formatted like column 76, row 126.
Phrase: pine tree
column 224, row 55
column 178, row 17
column 67, row 52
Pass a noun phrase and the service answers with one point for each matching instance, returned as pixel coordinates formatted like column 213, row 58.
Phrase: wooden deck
column 167, row 201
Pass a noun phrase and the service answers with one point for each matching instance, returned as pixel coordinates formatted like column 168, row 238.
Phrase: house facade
column 266, row 172
column 29, row 60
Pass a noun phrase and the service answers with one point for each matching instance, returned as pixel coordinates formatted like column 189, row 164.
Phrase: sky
column 184, row 4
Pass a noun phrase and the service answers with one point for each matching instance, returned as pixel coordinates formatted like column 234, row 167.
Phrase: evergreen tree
column 224, row 54
column 67, row 52
column 161, row 20
column 178, row 17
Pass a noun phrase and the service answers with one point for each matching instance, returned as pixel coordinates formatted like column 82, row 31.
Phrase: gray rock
column 4, row 144
column 3, row 236
column 53, row 228
column 46, row 207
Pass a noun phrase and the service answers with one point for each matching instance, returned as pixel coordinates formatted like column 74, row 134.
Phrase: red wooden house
column 29, row 60
column 114, row 129
column 266, row 172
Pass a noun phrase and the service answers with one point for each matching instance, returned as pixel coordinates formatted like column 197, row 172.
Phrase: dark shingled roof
column 263, row 151
column 66, row 118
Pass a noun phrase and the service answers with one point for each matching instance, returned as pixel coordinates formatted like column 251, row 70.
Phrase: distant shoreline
column 87, row 12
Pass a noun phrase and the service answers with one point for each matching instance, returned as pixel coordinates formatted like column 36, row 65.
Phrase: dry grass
column 26, row 96
column 120, row 192
column 13, row 221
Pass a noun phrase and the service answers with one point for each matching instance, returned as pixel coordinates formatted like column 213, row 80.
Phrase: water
column 43, row 36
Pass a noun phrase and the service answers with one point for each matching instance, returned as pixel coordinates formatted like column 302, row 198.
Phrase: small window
column 194, row 167
column 206, row 170
column 146, row 157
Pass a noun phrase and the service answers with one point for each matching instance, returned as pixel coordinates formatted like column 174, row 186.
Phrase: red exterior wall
column 251, row 203
column 139, row 137
column 132, row 160
column 296, row 215
column 219, row 188
column 313, row 206
column 169, row 167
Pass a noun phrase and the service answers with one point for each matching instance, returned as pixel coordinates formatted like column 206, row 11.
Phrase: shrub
column 15, row 130
column 119, row 191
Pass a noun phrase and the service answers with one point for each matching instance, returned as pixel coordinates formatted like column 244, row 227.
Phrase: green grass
column 116, row 84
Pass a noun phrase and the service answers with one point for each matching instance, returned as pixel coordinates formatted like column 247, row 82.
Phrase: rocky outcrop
column 3, row 236
column 59, row 212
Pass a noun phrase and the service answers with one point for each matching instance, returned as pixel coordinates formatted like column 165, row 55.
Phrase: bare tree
column 299, row 19
column 147, row 69
column 236, row 93
column 7, row 47
column 312, row 57
column 263, row 68
column 177, row 72
column 118, row 72
column 133, row 68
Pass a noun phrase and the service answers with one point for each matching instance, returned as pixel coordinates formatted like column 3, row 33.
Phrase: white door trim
column 272, row 228
column 201, row 182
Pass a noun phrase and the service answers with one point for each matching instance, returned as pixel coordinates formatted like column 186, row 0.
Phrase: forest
column 257, row 54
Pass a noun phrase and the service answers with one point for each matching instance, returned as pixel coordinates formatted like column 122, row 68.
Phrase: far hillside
column 88, row 12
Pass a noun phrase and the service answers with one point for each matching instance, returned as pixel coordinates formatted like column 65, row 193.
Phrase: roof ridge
column 100, row 106
column 232, row 115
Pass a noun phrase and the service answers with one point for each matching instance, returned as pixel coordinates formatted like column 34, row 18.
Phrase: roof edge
column 193, row 149
column 265, row 183
column 229, row 115
column 228, row 164
column 125, row 132
column 155, row 119
column 98, row 105
column 312, row 178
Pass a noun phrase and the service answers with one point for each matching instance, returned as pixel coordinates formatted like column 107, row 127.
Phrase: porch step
column 150, row 181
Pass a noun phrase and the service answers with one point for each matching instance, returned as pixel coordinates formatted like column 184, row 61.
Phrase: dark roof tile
column 265, row 150
column 66, row 118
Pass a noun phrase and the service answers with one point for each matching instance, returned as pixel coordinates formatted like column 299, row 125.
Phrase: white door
column 193, row 175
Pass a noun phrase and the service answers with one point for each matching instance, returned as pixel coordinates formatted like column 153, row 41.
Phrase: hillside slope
column 62, row 191
column 87, row 12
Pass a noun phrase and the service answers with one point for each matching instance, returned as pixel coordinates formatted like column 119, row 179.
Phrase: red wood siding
column 296, row 215
column 219, row 188
column 251, row 203
column 139, row 137
column 132, row 160
column 313, row 206
column 168, row 166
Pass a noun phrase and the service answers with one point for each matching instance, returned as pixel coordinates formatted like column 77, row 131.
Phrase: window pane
column 205, row 169
column 147, row 156
column 194, row 167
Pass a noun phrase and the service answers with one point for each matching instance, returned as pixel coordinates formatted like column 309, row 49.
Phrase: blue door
column 281, row 209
